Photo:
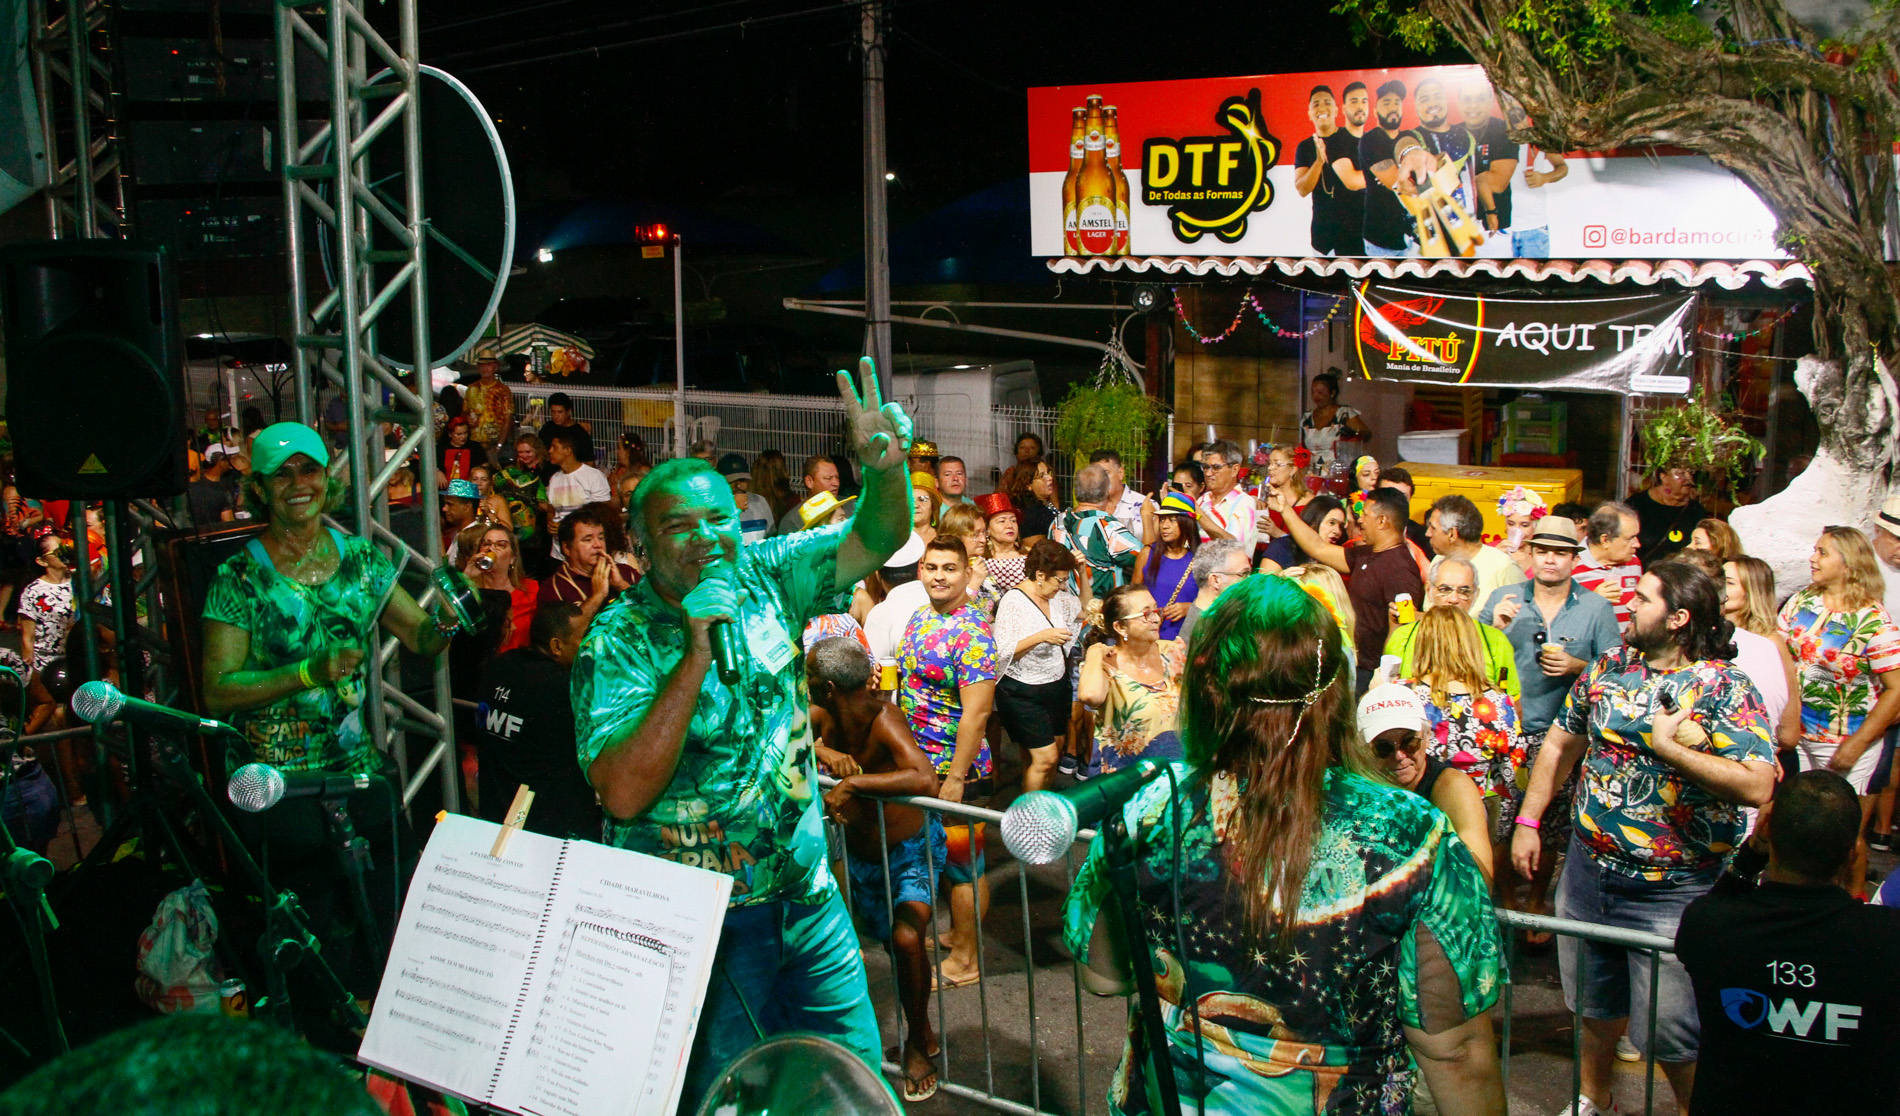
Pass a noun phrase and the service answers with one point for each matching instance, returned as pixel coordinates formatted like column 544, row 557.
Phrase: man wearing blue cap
column 287, row 625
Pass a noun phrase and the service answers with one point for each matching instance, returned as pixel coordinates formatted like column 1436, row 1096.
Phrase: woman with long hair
column 631, row 462
column 1327, row 581
column 1847, row 654
column 1036, row 623
column 1325, row 515
column 773, row 480
column 1716, row 536
column 1134, row 685
column 1326, row 922
column 1164, row 563
column 1031, row 489
column 1472, row 724
column 1286, row 475
column 492, row 508
column 496, row 543
column 1748, row 602
column 1006, row 557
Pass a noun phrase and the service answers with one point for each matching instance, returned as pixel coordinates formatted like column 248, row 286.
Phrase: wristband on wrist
column 1531, row 823
column 303, row 675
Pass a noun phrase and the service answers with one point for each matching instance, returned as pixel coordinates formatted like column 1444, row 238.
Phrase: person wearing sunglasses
column 1393, row 724
column 1134, row 687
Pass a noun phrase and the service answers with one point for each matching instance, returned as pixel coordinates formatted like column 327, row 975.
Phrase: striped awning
column 1728, row 274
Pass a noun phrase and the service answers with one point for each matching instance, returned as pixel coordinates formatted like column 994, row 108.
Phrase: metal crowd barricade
column 1092, row 1092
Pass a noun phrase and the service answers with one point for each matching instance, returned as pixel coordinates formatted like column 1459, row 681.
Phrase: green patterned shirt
column 1316, row 1026
column 321, row 727
column 744, row 798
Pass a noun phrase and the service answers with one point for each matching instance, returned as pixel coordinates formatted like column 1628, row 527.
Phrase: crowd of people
column 1600, row 704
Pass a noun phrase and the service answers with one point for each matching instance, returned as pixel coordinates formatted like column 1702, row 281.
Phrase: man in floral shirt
column 1674, row 741
column 947, row 667
column 1105, row 542
column 490, row 407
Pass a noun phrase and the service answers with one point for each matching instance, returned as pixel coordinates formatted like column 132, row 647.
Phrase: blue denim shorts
column 910, row 877
column 1612, row 982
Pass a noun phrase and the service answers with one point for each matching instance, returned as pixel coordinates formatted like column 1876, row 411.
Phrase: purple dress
column 1172, row 575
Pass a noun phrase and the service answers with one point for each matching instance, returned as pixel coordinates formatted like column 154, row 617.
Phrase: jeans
column 1531, row 244
column 1612, row 982
column 797, row 968
column 1389, row 253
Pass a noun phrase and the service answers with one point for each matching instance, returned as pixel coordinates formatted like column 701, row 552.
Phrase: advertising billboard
column 1386, row 162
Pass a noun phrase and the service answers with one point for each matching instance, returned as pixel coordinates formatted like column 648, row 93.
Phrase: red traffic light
column 653, row 234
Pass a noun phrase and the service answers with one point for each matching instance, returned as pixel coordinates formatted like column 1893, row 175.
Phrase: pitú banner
column 1388, row 162
column 1638, row 344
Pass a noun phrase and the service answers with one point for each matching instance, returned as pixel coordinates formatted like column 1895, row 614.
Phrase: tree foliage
column 1808, row 123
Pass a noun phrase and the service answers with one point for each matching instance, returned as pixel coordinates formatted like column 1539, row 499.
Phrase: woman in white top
column 1329, row 422
column 1036, row 622
column 1748, row 602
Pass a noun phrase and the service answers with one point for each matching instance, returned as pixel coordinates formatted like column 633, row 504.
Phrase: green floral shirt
column 1315, row 1026
column 744, row 799
column 521, row 489
column 321, row 727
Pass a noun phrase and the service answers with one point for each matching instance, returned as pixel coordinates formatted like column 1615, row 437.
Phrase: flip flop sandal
column 937, row 980
column 913, row 1094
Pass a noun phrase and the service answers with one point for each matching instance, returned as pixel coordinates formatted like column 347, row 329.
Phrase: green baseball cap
column 279, row 443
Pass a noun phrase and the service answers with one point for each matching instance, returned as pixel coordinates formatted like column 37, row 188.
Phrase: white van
column 972, row 408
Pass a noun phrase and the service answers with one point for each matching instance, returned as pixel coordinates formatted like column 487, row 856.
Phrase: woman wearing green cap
column 287, row 621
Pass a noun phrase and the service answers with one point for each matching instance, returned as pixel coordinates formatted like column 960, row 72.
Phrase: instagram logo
column 1595, row 236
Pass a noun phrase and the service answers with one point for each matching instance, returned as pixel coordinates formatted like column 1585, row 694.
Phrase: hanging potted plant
column 1111, row 412
column 1697, row 437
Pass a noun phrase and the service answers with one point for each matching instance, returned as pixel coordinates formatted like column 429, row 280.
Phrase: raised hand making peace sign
column 880, row 431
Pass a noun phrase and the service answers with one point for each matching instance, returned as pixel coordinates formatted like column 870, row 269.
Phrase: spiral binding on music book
column 534, row 960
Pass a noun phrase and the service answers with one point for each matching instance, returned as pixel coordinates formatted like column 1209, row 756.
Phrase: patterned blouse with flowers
column 1479, row 734
column 1138, row 719
column 1836, row 656
column 937, row 656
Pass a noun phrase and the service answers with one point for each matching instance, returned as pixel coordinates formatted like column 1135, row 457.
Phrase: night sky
column 761, row 123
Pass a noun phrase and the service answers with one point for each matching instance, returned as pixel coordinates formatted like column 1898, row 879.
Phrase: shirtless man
column 866, row 742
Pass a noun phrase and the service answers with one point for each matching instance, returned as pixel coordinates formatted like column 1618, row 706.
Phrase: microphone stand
column 1118, row 855
column 25, row 874
column 287, row 941
column 354, row 851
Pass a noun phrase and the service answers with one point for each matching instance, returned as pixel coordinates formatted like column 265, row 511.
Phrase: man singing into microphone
column 722, row 777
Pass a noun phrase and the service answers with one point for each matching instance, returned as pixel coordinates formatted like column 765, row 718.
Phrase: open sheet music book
column 563, row 978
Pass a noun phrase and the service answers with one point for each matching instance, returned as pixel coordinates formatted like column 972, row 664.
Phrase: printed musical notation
column 547, row 981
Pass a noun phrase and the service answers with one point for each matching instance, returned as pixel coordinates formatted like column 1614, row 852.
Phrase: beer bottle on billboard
column 1112, row 149
column 1070, row 245
column 1095, row 187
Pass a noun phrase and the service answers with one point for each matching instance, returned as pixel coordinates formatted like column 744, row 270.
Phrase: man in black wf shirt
column 526, row 730
column 1338, row 214
column 1797, row 984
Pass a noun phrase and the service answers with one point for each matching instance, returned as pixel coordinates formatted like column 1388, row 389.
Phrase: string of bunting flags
column 1240, row 314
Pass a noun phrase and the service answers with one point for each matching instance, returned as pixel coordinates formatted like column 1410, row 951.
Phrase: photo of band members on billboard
column 1454, row 185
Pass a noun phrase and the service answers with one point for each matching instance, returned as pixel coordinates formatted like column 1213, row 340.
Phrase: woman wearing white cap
column 1393, row 723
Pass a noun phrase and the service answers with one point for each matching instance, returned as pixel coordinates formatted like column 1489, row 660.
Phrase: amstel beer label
column 1095, row 225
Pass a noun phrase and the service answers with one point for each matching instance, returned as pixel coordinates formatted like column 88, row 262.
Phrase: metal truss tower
column 79, row 117
column 373, row 236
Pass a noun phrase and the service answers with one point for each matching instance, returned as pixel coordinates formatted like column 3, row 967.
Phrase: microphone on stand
column 99, row 703
column 257, row 787
column 1039, row 826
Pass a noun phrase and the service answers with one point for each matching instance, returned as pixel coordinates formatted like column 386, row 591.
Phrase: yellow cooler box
column 1483, row 484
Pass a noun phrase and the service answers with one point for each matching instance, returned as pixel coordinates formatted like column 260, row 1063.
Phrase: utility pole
column 877, row 224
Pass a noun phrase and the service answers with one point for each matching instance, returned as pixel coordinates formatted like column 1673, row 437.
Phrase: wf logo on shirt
column 1749, row 1009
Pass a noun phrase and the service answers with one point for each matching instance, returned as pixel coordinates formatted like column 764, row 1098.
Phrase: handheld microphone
column 729, row 649
column 1039, row 826
column 99, row 703
column 257, row 787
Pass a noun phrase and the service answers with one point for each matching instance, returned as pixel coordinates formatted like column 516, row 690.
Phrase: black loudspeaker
column 95, row 369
